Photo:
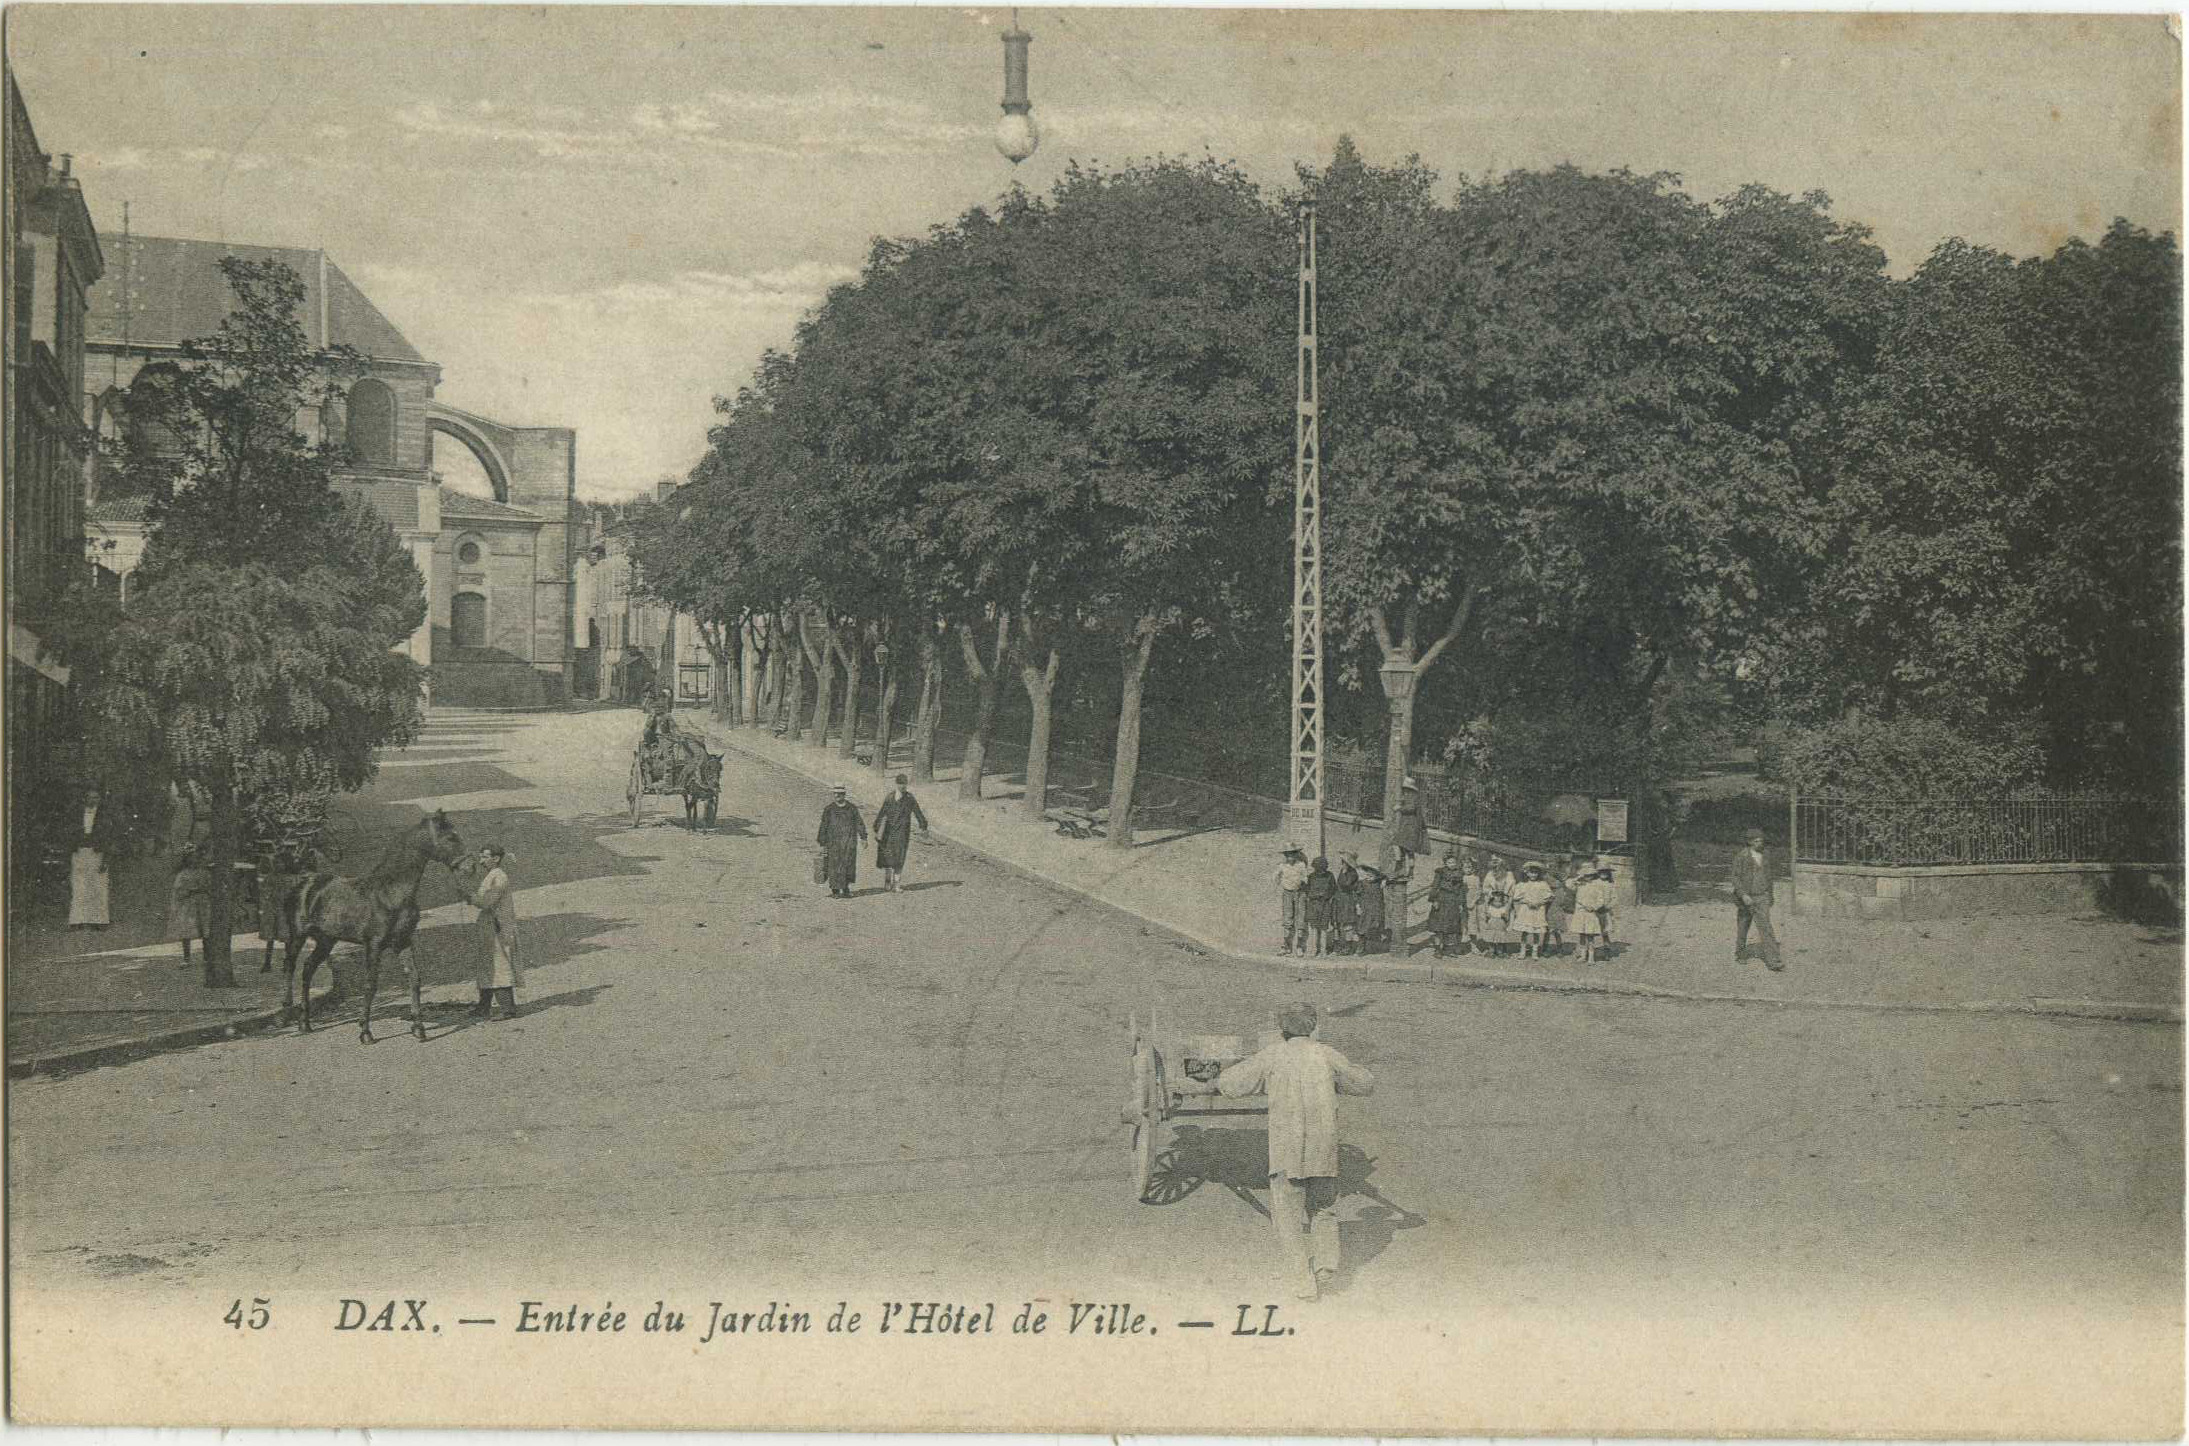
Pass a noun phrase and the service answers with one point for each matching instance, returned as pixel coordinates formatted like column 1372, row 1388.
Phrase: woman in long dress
column 88, row 892
column 500, row 975
column 189, row 898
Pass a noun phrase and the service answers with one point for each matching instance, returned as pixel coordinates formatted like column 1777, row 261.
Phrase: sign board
column 1611, row 820
column 1304, row 827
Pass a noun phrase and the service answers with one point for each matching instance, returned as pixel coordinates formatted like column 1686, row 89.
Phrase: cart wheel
column 1148, row 1117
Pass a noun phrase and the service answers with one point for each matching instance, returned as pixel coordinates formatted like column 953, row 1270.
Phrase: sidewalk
column 1215, row 889
column 68, row 1011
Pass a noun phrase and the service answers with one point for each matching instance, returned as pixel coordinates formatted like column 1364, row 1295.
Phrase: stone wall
column 1347, row 831
column 1961, row 891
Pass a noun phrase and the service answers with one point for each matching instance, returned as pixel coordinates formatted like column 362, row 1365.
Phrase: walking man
column 1303, row 1078
column 842, row 831
column 1752, row 903
column 1292, row 899
column 893, row 831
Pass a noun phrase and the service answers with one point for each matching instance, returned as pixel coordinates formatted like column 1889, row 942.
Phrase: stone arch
column 478, row 436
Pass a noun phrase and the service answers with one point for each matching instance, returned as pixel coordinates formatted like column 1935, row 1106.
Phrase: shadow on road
column 932, row 884
column 1237, row 1159
column 435, row 780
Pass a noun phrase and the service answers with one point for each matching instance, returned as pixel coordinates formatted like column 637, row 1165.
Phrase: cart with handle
column 1174, row 1076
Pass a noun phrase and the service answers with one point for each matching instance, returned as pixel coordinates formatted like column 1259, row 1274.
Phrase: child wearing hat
column 1563, row 880
column 1345, row 921
column 1531, row 909
column 1321, row 890
column 1292, row 900
column 1373, row 933
column 1448, row 906
column 1493, row 922
column 1592, row 912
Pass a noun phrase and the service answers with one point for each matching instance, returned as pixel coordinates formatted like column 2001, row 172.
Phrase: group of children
column 1358, row 909
column 1489, row 910
column 1341, row 912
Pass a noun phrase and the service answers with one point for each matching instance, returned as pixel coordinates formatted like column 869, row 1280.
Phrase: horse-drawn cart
column 1158, row 1097
column 680, row 766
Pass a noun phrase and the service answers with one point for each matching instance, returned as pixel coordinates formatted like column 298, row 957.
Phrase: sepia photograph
column 720, row 718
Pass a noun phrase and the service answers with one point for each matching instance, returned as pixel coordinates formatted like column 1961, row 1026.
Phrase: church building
column 499, row 572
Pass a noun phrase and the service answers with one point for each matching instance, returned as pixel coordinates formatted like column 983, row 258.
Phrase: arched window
column 372, row 423
column 467, row 620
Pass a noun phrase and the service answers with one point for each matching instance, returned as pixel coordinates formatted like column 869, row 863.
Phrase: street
column 726, row 1084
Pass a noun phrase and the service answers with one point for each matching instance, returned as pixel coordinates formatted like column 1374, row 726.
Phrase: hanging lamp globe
column 1017, row 136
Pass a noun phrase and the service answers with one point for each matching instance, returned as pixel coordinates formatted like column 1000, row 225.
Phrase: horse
column 379, row 911
column 682, row 765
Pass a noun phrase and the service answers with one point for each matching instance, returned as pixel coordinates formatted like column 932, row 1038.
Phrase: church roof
column 159, row 290
column 464, row 504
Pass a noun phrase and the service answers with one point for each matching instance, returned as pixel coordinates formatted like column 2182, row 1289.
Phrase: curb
column 1376, row 969
column 114, row 1051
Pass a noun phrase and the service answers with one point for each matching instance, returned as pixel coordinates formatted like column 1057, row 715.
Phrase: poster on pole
column 1611, row 820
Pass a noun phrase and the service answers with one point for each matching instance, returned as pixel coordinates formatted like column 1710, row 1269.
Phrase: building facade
column 519, row 582
column 53, row 257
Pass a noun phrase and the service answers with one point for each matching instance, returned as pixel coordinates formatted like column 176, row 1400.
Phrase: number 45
column 257, row 1319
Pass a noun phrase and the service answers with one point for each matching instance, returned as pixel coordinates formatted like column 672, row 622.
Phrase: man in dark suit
column 1752, row 903
column 893, row 831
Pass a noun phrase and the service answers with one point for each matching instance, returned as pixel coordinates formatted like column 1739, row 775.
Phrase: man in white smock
column 500, row 976
column 1302, row 1078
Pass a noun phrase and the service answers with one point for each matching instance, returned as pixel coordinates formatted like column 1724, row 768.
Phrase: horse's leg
column 417, row 1008
column 321, row 945
column 372, row 987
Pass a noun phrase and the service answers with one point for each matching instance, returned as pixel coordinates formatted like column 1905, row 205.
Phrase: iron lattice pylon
column 1305, row 814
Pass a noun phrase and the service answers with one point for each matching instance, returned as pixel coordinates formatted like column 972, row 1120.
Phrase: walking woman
column 189, row 898
column 500, row 975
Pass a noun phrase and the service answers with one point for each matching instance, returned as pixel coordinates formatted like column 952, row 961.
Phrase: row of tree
column 259, row 653
column 1607, row 471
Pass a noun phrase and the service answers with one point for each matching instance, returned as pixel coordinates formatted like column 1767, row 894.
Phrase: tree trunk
column 930, row 715
column 1398, row 656
column 1125, row 766
column 794, row 696
column 220, row 972
column 854, row 672
column 824, row 674
column 986, row 677
column 1040, row 686
column 1397, row 751
column 885, row 710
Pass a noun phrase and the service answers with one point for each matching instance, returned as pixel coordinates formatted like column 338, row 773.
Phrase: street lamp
column 1016, row 134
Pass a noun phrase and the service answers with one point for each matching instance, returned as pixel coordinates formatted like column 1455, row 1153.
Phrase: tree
column 259, row 651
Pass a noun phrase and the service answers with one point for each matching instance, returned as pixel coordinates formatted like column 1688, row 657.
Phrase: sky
column 601, row 217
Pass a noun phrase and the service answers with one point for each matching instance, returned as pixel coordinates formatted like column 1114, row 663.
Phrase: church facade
column 500, row 572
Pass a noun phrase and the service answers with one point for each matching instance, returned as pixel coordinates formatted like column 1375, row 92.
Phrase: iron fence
column 1555, row 820
column 2034, row 829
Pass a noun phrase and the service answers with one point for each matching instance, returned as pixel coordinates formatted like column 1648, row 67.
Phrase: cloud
column 176, row 158
column 723, row 125
column 536, row 356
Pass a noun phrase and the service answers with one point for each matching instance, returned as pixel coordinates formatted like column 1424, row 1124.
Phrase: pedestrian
column 893, row 830
column 1448, row 906
column 1752, row 904
column 1531, row 909
column 1398, row 907
column 1375, row 938
column 500, row 975
column 1302, row 1078
column 1563, row 881
column 1292, row 899
column 842, row 831
column 1321, row 889
column 88, row 891
column 1592, row 904
column 1494, row 909
column 278, row 876
column 1411, row 833
column 1346, row 919
column 189, row 898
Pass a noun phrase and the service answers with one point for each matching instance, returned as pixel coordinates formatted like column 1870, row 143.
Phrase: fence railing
column 2034, row 829
column 1551, row 820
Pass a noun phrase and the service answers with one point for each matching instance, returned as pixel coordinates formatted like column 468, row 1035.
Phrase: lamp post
column 1016, row 134
column 1399, row 675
